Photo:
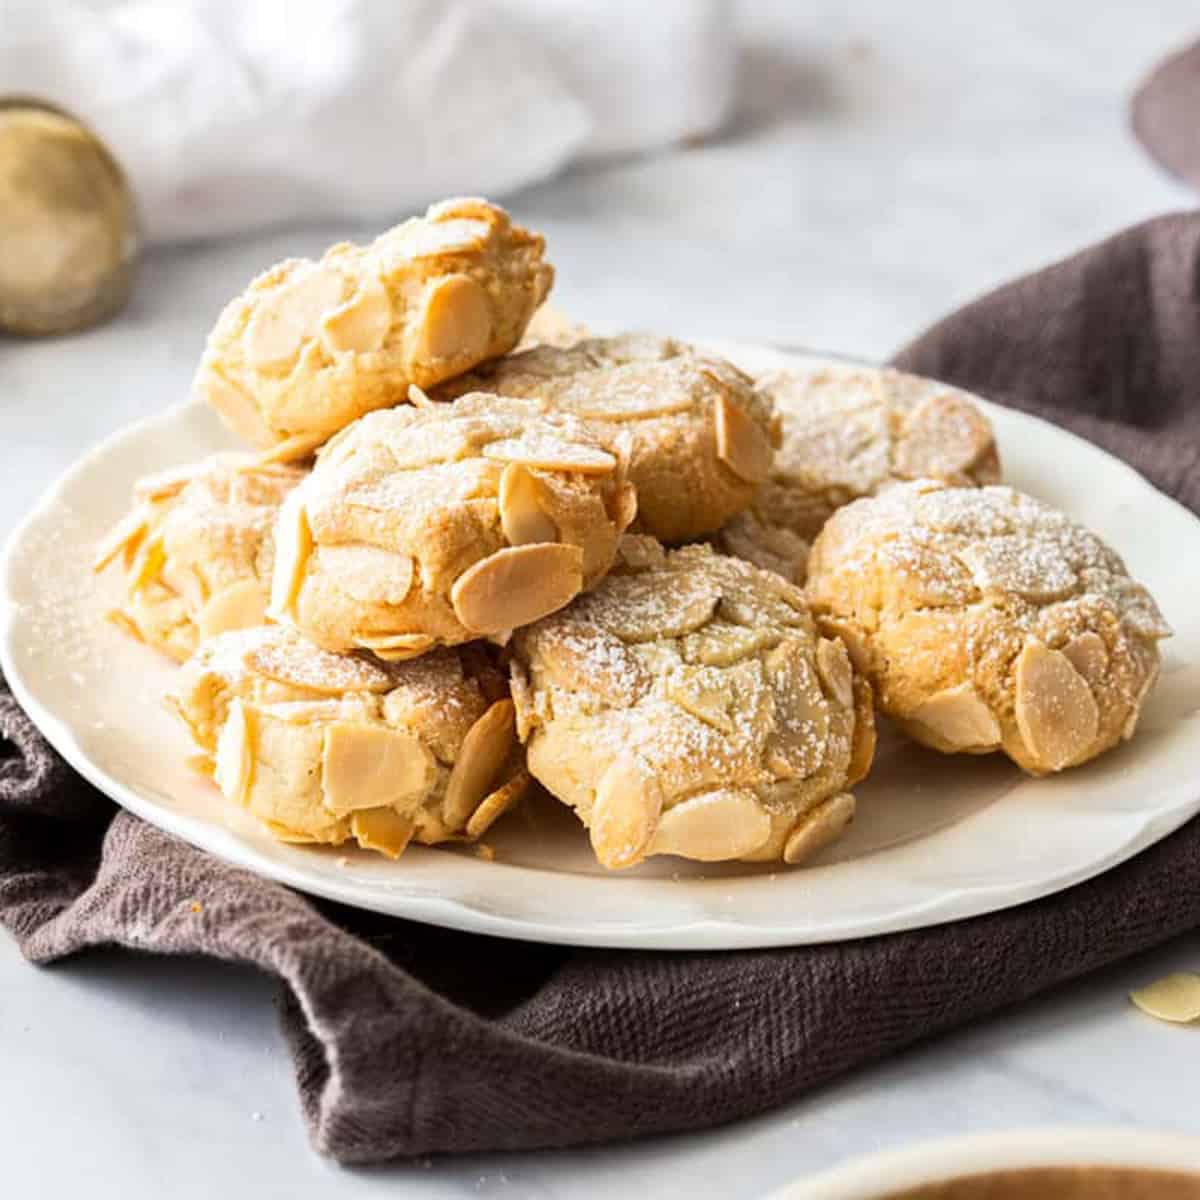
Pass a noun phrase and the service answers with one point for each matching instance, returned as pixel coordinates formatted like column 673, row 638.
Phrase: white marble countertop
column 889, row 162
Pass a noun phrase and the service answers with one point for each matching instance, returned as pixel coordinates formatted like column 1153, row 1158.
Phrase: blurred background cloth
column 235, row 114
column 1166, row 113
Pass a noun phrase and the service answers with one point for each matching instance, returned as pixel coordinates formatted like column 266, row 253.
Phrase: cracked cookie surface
column 325, row 748
column 197, row 549
column 847, row 433
column 688, row 706
column 699, row 435
column 987, row 620
column 434, row 524
column 310, row 346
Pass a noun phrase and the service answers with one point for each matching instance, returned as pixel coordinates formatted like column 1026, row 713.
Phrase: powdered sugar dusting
column 697, row 666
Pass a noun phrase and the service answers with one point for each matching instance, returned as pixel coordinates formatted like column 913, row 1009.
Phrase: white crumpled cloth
column 232, row 114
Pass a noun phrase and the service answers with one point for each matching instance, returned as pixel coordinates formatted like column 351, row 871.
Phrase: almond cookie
column 325, row 747
column 439, row 523
column 550, row 326
column 700, row 437
column 848, row 432
column 688, row 706
column 987, row 620
column 765, row 544
column 197, row 550
column 310, row 346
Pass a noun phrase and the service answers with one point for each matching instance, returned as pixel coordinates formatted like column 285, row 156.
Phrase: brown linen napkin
column 410, row 1040
column 1166, row 113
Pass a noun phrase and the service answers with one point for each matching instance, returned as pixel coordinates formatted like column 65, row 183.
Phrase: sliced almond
column 636, row 402
column 496, row 804
column 284, row 833
column 818, row 828
column 1088, row 655
column 292, row 449
column 852, row 636
column 128, row 531
column 833, row 666
column 317, row 712
column 522, row 517
column 236, row 406
column 590, row 654
column 798, row 740
column 643, row 608
column 233, row 767
column 958, row 719
column 382, row 829
column 944, row 436
column 287, row 316
column 742, row 445
column 523, row 699
column 293, row 545
column 622, row 506
column 186, row 582
column 373, row 766
column 484, row 751
column 1032, row 568
column 397, row 647
column 288, row 658
column 361, row 324
column 516, row 586
column 241, row 605
column 713, row 827
column 621, row 447
column 766, row 599
column 471, row 216
column 202, row 764
column 1139, row 610
column 625, row 814
column 705, row 695
column 125, row 623
column 454, row 328
column 369, row 574
column 163, row 485
column 862, row 745
column 424, row 239
column 1174, row 998
column 1057, row 715
column 721, row 645
column 640, row 552
column 551, row 453
column 147, row 565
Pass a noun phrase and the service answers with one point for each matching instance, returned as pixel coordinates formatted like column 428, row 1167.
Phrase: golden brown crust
column 197, row 550
column 439, row 524
column 850, row 431
column 699, row 435
column 688, row 706
column 325, row 748
column 310, row 346
column 986, row 620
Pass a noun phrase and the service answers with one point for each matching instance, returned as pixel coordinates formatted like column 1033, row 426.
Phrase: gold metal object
column 69, row 237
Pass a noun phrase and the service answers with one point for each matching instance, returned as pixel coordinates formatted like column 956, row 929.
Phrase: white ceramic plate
column 929, row 1163
column 936, row 838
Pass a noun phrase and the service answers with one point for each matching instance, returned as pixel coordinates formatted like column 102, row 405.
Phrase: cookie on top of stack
column 478, row 545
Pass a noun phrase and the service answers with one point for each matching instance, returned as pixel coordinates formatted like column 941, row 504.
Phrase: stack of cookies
column 473, row 547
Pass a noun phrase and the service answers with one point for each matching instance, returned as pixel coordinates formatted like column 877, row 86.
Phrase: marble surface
column 887, row 163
